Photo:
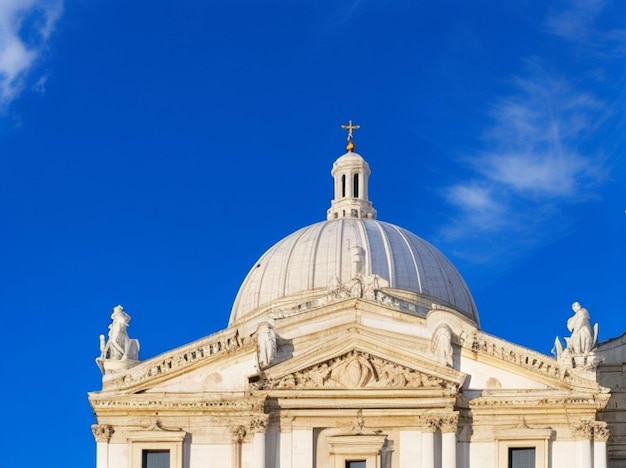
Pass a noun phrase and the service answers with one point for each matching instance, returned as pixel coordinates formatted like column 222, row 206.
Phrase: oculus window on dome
column 352, row 255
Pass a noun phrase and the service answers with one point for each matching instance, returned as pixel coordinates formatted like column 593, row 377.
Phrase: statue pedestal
column 111, row 366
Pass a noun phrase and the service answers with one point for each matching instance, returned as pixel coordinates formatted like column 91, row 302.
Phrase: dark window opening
column 343, row 185
column 355, row 464
column 356, row 186
column 155, row 459
column 522, row 457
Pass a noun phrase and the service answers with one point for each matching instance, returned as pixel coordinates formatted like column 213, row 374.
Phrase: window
column 355, row 193
column 355, row 464
column 155, row 459
column 522, row 457
column 156, row 449
column 343, row 185
column 523, row 447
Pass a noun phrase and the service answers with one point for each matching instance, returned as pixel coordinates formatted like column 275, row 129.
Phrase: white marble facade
column 354, row 340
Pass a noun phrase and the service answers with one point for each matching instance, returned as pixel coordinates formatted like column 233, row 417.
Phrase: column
column 102, row 433
column 238, row 433
column 428, row 442
column 600, row 436
column 448, row 427
column 583, row 433
column 258, row 426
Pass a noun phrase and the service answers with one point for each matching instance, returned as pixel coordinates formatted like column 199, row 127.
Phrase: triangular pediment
column 359, row 362
column 357, row 369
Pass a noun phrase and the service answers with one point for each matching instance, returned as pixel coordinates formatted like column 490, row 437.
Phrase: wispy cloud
column 25, row 27
column 536, row 158
column 575, row 22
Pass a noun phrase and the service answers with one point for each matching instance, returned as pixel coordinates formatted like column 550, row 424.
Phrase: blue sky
column 150, row 152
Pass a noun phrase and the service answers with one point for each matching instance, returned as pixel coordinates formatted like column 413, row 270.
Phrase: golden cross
column 350, row 127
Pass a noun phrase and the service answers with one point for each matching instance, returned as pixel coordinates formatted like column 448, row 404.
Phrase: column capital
column 258, row 424
column 102, row 432
column 601, row 431
column 583, row 430
column 238, row 433
column 430, row 423
column 449, row 423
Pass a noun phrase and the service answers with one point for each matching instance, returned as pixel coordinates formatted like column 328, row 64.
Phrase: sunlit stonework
column 353, row 342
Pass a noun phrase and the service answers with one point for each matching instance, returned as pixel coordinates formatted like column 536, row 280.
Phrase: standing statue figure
column 441, row 345
column 266, row 344
column 119, row 346
column 583, row 338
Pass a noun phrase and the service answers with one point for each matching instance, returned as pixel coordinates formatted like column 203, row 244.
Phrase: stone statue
column 579, row 346
column 266, row 344
column 441, row 345
column 582, row 339
column 119, row 346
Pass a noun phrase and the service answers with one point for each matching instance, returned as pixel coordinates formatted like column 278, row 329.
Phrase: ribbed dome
column 311, row 258
column 352, row 255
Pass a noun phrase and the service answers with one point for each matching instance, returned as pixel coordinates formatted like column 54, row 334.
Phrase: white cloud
column 576, row 22
column 541, row 152
column 25, row 27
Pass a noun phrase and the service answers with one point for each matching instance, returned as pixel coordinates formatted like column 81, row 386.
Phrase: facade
column 354, row 343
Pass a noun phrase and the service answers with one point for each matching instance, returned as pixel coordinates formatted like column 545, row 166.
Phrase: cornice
column 177, row 361
column 175, row 402
column 480, row 344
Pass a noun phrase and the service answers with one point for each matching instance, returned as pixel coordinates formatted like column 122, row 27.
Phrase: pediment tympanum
column 353, row 370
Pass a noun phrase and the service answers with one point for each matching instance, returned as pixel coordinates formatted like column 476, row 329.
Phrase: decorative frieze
column 158, row 403
column 595, row 401
column 356, row 369
column 102, row 432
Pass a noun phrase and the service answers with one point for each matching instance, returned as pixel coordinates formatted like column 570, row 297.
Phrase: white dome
column 352, row 255
column 310, row 259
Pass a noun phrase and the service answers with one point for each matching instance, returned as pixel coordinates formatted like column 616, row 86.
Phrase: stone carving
column 449, row 423
column 358, row 424
column 441, row 345
column 445, row 422
column 238, row 433
column 266, row 344
column 258, row 424
column 118, row 347
column 102, row 432
column 366, row 287
column 578, row 351
column 586, row 429
column 430, row 424
column 356, row 369
column 601, row 431
column 583, row 429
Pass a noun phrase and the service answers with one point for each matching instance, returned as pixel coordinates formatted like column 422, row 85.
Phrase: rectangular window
column 155, row 459
column 522, row 457
column 355, row 464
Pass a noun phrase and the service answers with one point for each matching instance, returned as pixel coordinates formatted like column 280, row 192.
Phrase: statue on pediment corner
column 119, row 346
column 578, row 351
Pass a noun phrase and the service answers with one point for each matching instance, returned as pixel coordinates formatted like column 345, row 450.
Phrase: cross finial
column 350, row 127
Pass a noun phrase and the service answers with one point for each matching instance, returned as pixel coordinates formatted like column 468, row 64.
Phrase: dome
column 351, row 254
column 305, row 263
